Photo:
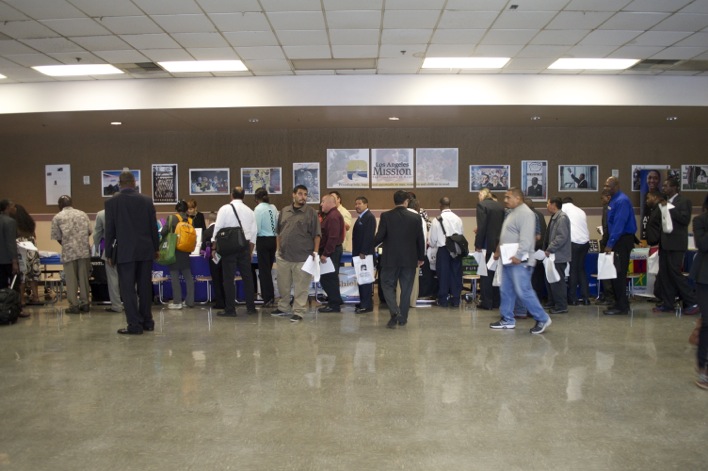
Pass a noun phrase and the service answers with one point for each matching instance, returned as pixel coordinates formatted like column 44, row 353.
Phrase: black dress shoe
column 401, row 322
column 586, row 302
column 362, row 310
column 573, row 303
column 328, row 309
column 148, row 327
column 130, row 332
column 226, row 313
column 392, row 322
column 558, row 311
column 615, row 312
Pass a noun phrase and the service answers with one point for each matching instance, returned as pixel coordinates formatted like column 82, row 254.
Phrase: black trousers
column 135, row 282
column 673, row 283
column 558, row 291
column 622, row 249
column 330, row 281
column 242, row 262
column 577, row 272
column 702, row 297
column 266, row 257
column 489, row 295
column 390, row 277
column 217, row 281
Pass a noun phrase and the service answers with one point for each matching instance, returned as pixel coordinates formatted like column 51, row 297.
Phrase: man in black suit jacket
column 401, row 233
column 490, row 217
column 672, row 249
column 699, row 274
column 132, row 225
column 363, row 245
column 538, row 277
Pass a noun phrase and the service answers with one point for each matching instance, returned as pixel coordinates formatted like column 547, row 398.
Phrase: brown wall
column 24, row 157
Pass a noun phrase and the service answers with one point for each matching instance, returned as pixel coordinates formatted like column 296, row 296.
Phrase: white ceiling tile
column 200, row 40
column 71, row 58
column 252, row 38
column 696, row 7
column 213, row 53
column 657, row 5
column 106, row 7
column 76, row 27
column 26, row 30
column 538, row 51
column 31, row 60
column 130, row 24
column 414, row 4
column 467, row 19
column 636, row 52
column 393, row 51
column 540, row 5
column 229, row 6
column 150, row 41
column 196, row 23
column 403, row 36
column 7, row 13
column 697, row 39
column 409, row 19
column 659, row 38
column 238, row 22
column 398, row 66
column 586, row 50
column 633, row 21
column 509, row 36
column 497, row 50
column 11, row 47
column 291, row 5
column 331, row 5
column 683, row 22
column 355, row 72
column 297, row 20
column 679, row 53
column 449, row 50
column 305, row 52
column 365, row 37
column 101, row 43
column 45, row 10
column 579, row 20
column 303, row 37
column 354, row 52
column 529, row 63
column 171, row 7
column 609, row 37
column 597, row 5
column 559, row 37
column 50, row 45
column 268, row 65
column 524, row 19
column 477, row 5
column 262, row 53
column 347, row 19
column 159, row 55
column 455, row 36
column 315, row 72
column 122, row 56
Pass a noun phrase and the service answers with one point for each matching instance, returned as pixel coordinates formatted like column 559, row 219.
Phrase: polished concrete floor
column 342, row 392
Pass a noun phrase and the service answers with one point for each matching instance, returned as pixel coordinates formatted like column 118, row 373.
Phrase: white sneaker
column 540, row 327
column 174, row 306
column 502, row 324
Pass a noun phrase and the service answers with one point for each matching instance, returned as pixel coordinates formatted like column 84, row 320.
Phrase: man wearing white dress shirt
column 579, row 246
column 226, row 218
column 449, row 268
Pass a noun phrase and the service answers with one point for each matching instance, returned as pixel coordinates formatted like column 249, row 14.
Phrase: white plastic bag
column 606, row 266
column 496, row 281
column 550, row 266
column 667, row 225
column 653, row 263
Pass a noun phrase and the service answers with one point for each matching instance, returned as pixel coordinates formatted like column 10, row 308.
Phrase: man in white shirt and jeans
column 226, row 218
column 579, row 246
column 448, row 268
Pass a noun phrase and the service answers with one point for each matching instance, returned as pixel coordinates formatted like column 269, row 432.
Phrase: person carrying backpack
column 181, row 225
column 448, row 266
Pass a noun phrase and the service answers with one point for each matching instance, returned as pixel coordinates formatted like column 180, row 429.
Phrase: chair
column 207, row 280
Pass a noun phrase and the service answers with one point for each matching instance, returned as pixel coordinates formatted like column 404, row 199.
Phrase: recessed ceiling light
column 253, row 120
column 77, row 69
column 593, row 64
column 2, row 76
column 116, row 123
column 535, row 118
column 465, row 62
column 203, row 66
column 394, row 118
column 672, row 118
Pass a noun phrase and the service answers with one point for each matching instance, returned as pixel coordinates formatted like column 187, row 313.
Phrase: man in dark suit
column 699, row 274
column 490, row 217
column 131, row 229
column 9, row 264
column 363, row 244
column 535, row 189
column 538, row 277
column 672, row 249
column 401, row 233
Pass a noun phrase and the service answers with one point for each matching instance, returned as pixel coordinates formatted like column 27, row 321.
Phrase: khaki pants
column 414, row 292
column 76, row 275
column 291, row 276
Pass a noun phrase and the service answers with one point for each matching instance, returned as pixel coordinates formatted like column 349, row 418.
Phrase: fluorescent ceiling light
column 77, row 69
column 2, row 76
column 203, row 66
column 593, row 64
column 465, row 62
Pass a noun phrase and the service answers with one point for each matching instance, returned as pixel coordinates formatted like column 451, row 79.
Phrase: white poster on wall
column 436, row 168
column 58, row 182
column 391, row 168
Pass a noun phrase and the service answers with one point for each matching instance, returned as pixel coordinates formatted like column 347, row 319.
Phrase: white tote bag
column 653, row 263
column 549, row 264
column 606, row 266
column 496, row 281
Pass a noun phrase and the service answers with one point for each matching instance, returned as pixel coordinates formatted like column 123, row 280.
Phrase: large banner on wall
column 58, row 182
column 436, row 168
column 164, row 183
column 347, row 168
column 391, row 168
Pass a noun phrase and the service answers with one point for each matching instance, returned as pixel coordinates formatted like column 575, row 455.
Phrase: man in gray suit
column 557, row 242
column 403, row 241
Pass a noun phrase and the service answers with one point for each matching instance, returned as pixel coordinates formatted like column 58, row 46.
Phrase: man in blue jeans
column 519, row 228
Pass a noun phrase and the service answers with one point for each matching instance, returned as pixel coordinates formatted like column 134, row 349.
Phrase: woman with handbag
column 699, row 274
column 181, row 264
column 267, row 221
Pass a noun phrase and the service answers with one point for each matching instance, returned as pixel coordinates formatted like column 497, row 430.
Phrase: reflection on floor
column 342, row 392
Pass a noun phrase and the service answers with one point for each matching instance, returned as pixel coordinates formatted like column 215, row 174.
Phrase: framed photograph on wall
column 164, row 184
column 109, row 181
column 270, row 178
column 391, row 168
column 652, row 181
column 436, row 168
column 534, row 179
column 209, row 181
column 577, row 178
column 308, row 174
column 494, row 177
column 694, row 177
column 347, row 168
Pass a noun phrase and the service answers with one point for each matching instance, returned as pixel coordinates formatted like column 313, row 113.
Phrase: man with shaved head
column 447, row 266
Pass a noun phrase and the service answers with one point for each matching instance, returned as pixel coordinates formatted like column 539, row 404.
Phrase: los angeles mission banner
column 391, row 168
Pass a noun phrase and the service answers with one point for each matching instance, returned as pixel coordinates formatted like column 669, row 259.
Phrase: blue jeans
column 516, row 283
